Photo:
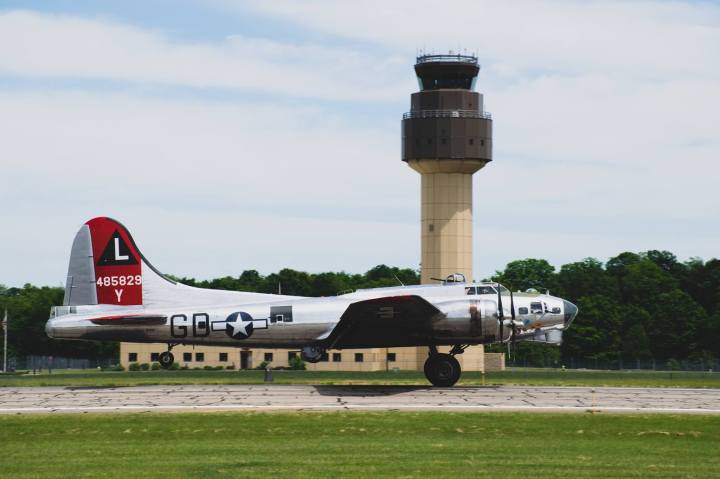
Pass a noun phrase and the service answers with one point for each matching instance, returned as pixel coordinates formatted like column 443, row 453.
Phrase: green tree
column 586, row 278
column 674, row 321
column 527, row 273
column 596, row 333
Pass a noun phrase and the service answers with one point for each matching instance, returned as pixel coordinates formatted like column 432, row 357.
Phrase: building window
column 268, row 357
column 132, row 357
column 391, row 357
column 291, row 354
column 482, row 142
column 443, row 141
column 431, row 227
column 358, row 357
column 324, row 357
column 187, row 357
column 471, row 141
column 223, row 357
column 154, row 357
column 199, row 357
column 429, row 141
column 337, row 357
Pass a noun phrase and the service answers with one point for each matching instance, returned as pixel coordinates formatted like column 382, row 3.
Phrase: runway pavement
column 370, row 398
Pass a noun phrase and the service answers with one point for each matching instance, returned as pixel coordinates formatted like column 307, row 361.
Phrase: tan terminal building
column 446, row 137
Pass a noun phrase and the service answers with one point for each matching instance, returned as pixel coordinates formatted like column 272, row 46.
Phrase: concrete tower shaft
column 447, row 136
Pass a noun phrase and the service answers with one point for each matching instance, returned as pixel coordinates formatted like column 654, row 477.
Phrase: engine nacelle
column 548, row 336
column 473, row 320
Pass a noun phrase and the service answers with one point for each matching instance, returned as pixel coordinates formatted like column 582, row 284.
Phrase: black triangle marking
column 121, row 255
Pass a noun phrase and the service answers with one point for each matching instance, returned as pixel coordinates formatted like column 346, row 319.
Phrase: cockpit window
column 522, row 310
column 536, row 308
column 469, row 290
column 486, row 290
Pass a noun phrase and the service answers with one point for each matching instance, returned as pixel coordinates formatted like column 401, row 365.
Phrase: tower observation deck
column 446, row 137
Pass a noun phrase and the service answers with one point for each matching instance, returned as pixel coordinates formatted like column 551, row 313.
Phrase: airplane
column 114, row 294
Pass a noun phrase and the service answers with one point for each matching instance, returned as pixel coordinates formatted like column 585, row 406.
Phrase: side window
column 522, row 310
column 486, row 290
column 536, row 308
column 470, row 290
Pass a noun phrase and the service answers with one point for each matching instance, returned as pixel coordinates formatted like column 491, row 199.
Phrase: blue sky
column 237, row 135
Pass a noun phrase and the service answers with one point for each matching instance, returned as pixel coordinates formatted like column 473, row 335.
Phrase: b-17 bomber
column 114, row 294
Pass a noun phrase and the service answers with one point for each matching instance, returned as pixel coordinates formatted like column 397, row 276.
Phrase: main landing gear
column 166, row 358
column 442, row 369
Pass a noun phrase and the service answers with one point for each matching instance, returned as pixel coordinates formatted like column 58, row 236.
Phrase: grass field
column 538, row 377
column 359, row 445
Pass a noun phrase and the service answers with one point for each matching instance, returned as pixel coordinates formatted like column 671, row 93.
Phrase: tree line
column 634, row 306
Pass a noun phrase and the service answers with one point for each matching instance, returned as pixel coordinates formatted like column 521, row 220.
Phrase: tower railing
column 447, row 114
column 447, row 58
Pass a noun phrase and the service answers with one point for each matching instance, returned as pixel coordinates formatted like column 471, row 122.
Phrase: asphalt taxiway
column 349, row 398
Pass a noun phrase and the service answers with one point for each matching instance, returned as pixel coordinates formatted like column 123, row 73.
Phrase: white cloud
column 50, row 46
column 604, row 123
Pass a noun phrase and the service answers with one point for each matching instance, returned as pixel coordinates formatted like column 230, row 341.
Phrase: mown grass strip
column 359, row 445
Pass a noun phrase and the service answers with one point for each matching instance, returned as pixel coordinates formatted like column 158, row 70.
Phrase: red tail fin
column 117, row 262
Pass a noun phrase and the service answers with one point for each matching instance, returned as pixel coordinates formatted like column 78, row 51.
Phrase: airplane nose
column 49, row 329
column 570, row 312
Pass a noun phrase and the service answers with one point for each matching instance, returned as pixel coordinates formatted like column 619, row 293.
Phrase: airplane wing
column 384, row 322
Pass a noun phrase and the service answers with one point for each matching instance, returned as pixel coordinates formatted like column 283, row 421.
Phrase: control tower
column 446, row 137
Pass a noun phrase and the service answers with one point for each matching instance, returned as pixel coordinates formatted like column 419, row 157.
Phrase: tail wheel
column 166, row 359
column 442, row 370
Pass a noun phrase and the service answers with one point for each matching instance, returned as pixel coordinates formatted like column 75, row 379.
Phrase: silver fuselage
column 298, row 321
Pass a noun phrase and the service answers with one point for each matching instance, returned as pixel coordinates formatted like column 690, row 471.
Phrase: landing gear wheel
column 166, row 359
column 442, row 370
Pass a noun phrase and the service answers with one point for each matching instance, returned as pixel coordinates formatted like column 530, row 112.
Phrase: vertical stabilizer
column 80, row 284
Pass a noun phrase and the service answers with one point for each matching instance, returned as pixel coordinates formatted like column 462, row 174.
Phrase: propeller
column 501, row 313
column 512, row 323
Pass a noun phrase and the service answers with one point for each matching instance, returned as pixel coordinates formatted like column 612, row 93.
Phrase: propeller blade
column 512, row 316
column 512, row 306
column 501, row 313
